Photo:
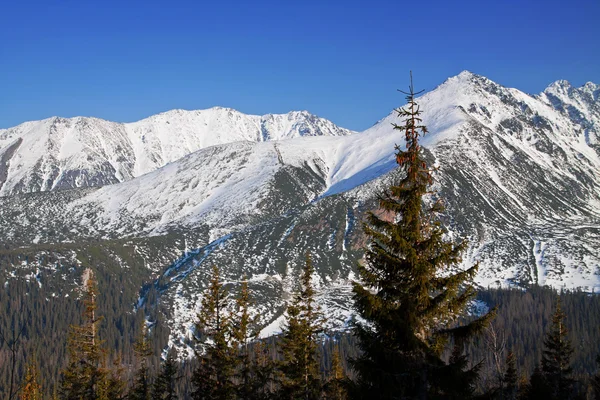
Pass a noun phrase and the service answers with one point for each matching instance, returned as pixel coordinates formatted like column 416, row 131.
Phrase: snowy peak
column 563, row 91
column 225, row 125
column 60, row 153
column 580, row 105
column 453, row 103
column 519, row 175
column 469, row 108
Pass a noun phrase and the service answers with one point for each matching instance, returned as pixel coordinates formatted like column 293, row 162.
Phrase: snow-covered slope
column 581, row 105
column 59, row 153
column 519, row 174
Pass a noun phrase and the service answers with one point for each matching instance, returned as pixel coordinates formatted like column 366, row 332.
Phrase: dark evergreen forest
column 522, row 320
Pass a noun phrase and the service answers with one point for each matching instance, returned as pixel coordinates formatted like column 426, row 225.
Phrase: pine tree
column 85, row 372
column 141, row 389
column 213, row 377
column 522, row 387
column 538, row 387
column 164, row 386
column 510, row 378
column 262, row 378
column 14, row 343
column 300, row 378
column 556, row 357
column 596, row 380
column 335, row 386
column 31, row 388
column 255, row 366
column 114, row 387
column 408, row 294
column 243, row 333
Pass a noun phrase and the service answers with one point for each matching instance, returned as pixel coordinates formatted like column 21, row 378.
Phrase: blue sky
column 127, row 60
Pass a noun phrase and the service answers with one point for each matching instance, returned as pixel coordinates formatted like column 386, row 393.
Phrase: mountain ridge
column 59, row 153
column 519, row 174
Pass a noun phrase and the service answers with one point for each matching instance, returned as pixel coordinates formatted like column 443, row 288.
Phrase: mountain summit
column 64, row 153
column 519, row 175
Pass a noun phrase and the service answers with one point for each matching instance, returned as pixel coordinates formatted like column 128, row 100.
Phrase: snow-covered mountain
column 519, row 174
column 61, row 153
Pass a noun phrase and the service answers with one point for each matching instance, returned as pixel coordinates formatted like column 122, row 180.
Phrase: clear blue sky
column 126, row 60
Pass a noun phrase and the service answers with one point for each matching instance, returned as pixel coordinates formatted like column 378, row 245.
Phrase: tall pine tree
column 213, row 376
column 556, row 357
column 409, row 296
column 300, row 376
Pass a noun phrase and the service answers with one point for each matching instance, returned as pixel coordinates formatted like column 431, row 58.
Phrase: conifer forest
column 421, row 328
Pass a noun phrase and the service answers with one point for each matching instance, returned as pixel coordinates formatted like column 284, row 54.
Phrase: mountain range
column 519, row 175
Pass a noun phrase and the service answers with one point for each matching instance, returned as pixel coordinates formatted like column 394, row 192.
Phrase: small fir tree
column 538, row 387
column 85, row 372
column 299, row 369
column 335, row 387
column 14, row 344
column 243, row 332
column 114, row 384
column 510, row 378
column 141, row 389
column 213, row 376
column 165, row 384
column 262, row 381
column 31, row 388
column 522, row 387
column 596, row 380
column 556, row 357
column 409, row 296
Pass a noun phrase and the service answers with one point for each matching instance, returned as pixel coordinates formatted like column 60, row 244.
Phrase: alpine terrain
column 174, row 194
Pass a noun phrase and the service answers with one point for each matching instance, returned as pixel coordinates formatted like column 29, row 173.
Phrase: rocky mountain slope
column 61, row 153
column 519, row 174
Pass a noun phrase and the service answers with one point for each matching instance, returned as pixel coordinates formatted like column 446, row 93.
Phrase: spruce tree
column 556, row 357
column 213, row 376
column 254, row 366
column 510, row 378
column 14, row 343
column 242, row 334
column 335, row 387
column 409, row 296
column 262, row 379
column 596, row 380
column 164, row 386
column 85, row 372
column 299, row 369
column 539, row 387
column 522, row 387
column 31, row 388
column 141, row 389
column 115, row 385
